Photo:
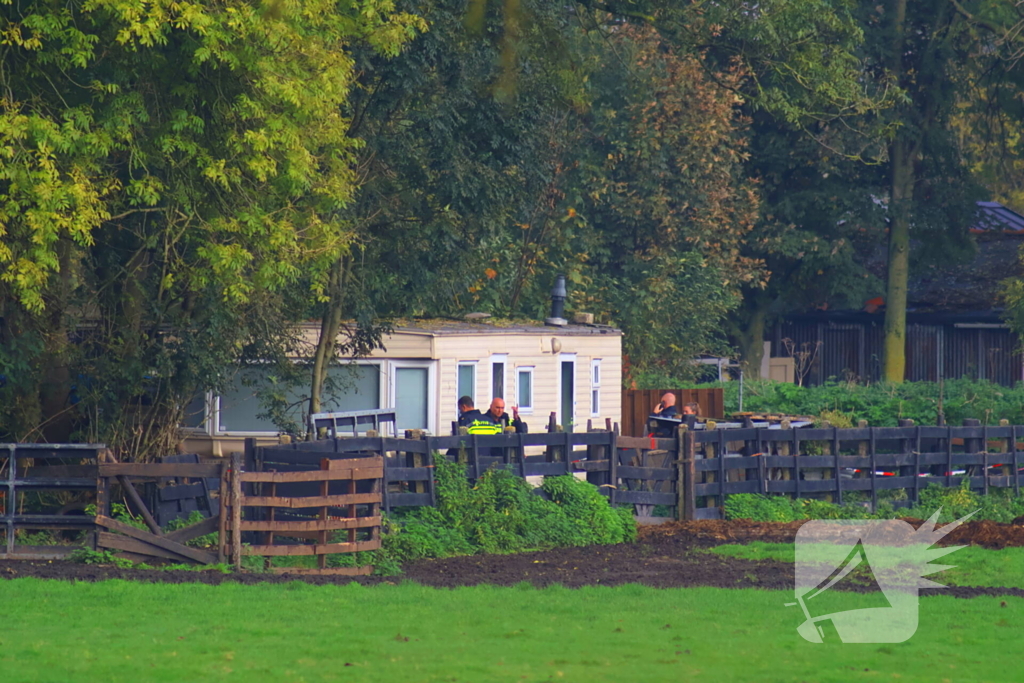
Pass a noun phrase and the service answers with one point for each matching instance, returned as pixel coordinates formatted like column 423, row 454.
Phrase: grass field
column 973, row 566
column 120, row 631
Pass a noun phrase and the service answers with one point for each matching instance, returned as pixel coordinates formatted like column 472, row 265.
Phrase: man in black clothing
column 467, row 413
column 665, row 409
column 499, row 418
column 495, row 420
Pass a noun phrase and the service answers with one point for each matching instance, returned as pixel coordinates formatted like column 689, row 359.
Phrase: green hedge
column 880, row 404
column 999, row 506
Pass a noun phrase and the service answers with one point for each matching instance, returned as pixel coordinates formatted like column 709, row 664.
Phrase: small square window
column 524, row 389
column 467, row 381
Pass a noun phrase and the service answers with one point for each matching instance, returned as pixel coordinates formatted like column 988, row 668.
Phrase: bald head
column 668, row 399
column 497, row 408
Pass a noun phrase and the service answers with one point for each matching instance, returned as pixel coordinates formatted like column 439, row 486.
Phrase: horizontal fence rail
column 324, row 506
column 29, row 474
column 693, row 473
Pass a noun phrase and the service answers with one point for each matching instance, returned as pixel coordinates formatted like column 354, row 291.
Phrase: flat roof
column 446, row 327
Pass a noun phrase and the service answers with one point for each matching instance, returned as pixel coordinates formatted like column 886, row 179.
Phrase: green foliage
column 174, row 174
column 883, row 404
column 500, row 514
column 121, row 513
column 999, row 506
column 89, row 556
column 37, row 538
column 195, row 517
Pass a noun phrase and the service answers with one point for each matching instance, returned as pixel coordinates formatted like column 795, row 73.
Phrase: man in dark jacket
column 494, row 421
column 665, row 409
column 467, row 412
column 497, row 417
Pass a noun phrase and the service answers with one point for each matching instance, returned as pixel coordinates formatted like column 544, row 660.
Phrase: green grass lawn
column 974, row 566
column 120, row 631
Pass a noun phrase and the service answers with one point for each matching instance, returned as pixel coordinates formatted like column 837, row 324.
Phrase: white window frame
column 595, row 387
column 471, row 364
column 497, row 358
column 431, row 366
column 566, row 358
column 213, row 406
column 206, row 428
column 525, row 369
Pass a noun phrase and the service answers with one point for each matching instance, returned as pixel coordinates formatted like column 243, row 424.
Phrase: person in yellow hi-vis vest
column 495, row 420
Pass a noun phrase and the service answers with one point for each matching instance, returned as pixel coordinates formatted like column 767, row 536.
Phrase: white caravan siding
column 532, row 350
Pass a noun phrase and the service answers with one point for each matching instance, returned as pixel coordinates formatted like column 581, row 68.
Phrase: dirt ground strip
column 985, row 534
column 667, row 556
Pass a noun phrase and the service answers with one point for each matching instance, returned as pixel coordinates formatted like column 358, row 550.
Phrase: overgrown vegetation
column 499, row 514
column 999, row 505
column 881, row 404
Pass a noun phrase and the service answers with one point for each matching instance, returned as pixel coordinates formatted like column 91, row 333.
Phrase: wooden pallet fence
column 143, row 545
column 306, row 525
column 830, row 463
column 29, row 470
column 173, row 498
column 694, row 472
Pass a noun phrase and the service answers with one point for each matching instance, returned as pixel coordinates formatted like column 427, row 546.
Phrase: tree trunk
column 330, row 326
column 750, row 338
column 901, row 194
column 901, row 191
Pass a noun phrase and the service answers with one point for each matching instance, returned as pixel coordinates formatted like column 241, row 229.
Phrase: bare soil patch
column 666, row 556
column 985, row 534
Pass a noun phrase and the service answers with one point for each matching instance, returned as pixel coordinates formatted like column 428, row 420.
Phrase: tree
column 171, row 173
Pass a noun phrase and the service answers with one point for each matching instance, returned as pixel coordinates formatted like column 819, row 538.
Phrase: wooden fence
column 637, row 405
column 29, row 475
column 302, row 514
column 308, row 491
column 694, row 472
column 142, row 544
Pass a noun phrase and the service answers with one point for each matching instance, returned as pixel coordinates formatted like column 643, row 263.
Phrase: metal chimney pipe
column 558, row 295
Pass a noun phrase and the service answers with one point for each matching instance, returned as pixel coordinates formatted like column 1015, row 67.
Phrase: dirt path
column 667, row 556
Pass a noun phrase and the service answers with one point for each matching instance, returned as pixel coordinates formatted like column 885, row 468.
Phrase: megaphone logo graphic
column 885, row 559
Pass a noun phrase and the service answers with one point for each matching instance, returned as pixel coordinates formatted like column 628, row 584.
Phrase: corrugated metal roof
column 994, row 217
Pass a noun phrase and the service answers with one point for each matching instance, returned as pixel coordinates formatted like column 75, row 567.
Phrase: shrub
column 501, row 513
column 89, row 556
column 882, row 404
column 999, row 506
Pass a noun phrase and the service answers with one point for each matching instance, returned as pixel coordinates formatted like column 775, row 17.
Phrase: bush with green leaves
column 1000, row 505
column 881, row 404
column 90, row 556
column 500, row 513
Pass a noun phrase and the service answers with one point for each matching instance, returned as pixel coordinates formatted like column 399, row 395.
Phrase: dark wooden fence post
column 613, row 465
column 905, row 450
column 1004, row 450
column 236, row 510
column 971, row 446
column 222, row 520
column 710, row 451
column 686, row 454
column 782, row 448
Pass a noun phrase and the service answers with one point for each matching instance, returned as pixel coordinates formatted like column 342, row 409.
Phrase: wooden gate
column 314, row 516
column 140, row 544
